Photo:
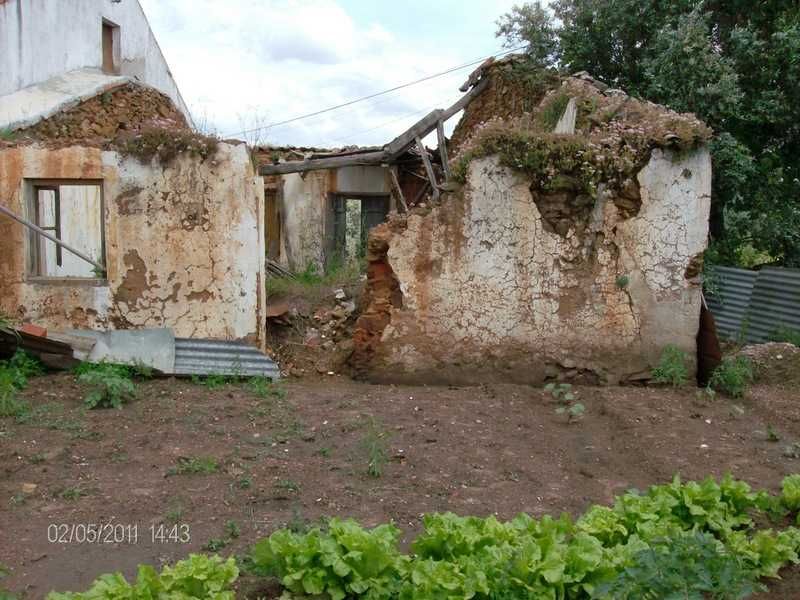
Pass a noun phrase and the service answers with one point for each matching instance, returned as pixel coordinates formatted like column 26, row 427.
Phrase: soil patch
column 497, row 449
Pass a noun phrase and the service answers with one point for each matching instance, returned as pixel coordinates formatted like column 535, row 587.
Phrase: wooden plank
column 430, row 121
column 420, row 129
column 52, row 238
column 466, row 99
column 428, row 167
column 443, row 150
column 397, row 188
column 334, row 162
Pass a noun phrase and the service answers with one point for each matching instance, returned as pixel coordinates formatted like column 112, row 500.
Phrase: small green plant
column 215, row 544
column 194, row 465
column 264, row 388
column 772, row 435
column 110, row 386
column 567, row 398
column 174, row 514
column 672, row 367
column 374, row 446
column 298, row 523
column 232, row 529
column 245, row 482
column 623, row 281
column 325, row 451
column 72, row 493
column 7, row 135
column 733, row 376
column 212, row 382
column 287, row 485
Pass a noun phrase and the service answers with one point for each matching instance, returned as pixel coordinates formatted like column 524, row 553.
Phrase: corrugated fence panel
column 775, row 303
column 753, row 305
column 213, row 357
column 729, row 305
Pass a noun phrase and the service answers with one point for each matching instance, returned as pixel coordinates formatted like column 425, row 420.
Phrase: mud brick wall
column 506, row 284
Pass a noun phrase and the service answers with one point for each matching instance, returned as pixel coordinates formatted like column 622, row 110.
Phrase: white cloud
column 245, row 63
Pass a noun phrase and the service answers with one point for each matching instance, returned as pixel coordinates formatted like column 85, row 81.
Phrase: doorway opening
column 354, row 216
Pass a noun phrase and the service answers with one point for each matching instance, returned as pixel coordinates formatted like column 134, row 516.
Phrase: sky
column 244, row 64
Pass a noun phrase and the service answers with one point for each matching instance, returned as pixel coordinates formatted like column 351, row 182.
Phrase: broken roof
column 32, row 104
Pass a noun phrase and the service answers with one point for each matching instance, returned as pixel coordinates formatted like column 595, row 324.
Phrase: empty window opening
column 73, row 213
column 354, row 217
column 110, row 48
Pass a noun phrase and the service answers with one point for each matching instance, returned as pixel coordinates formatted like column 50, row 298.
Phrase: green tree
column 735, row 63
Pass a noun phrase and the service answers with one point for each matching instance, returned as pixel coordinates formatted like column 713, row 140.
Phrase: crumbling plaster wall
column 479, row 288
column 184, row 244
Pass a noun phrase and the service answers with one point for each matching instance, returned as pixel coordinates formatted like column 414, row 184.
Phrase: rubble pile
column 324, row 334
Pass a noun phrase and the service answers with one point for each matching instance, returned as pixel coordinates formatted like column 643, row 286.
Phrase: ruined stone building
column 572, row 247
column 97, row 150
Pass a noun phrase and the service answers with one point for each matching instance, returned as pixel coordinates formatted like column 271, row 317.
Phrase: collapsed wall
column 562, row 256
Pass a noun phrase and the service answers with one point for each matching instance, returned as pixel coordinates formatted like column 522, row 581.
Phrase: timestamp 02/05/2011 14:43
column 118, row 533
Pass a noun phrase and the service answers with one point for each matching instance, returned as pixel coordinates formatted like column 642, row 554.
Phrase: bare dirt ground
column 480, row 450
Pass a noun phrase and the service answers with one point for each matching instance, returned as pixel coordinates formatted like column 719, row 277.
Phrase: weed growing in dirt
column 72, row 493
column 672, row 367
column 772, row 435
column 38, row 458
column 374, row 447
column 213, row 381
column 287, row 485
column 245, row 482
column 567, row 398
column 5, row 572
column 7, row 135
column 174, row 514
column 733, row 376
column 298, row 523
column 325, row 451
column 623, row 281
column 232, row 529
column 194, row 465
column 215, row 545
column 14, row 375
column 264, row 388
column 109, row 386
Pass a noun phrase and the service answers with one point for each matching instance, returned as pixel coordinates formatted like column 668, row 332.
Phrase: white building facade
column 43, row 39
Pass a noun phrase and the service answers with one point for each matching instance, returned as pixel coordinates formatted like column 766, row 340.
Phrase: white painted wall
column 40, row 39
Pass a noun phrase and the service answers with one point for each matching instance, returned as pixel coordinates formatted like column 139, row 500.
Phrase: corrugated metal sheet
column 732, row 300
column 216, row 357
column 775, row 303
column 752, row 305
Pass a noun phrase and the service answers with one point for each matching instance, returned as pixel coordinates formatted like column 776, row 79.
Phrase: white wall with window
column 71, row 211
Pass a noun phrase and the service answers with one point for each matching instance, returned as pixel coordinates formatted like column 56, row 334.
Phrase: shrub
column 671, row 367
column 733, row 376
column 110, row 385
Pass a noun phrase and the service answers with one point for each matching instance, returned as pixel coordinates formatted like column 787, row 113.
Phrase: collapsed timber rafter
column 390, row 152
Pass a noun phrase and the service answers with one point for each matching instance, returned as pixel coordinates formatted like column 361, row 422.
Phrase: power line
column 394, row 89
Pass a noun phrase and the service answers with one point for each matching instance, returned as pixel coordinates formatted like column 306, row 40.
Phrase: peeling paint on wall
column 490, row 289
column 184, row 244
